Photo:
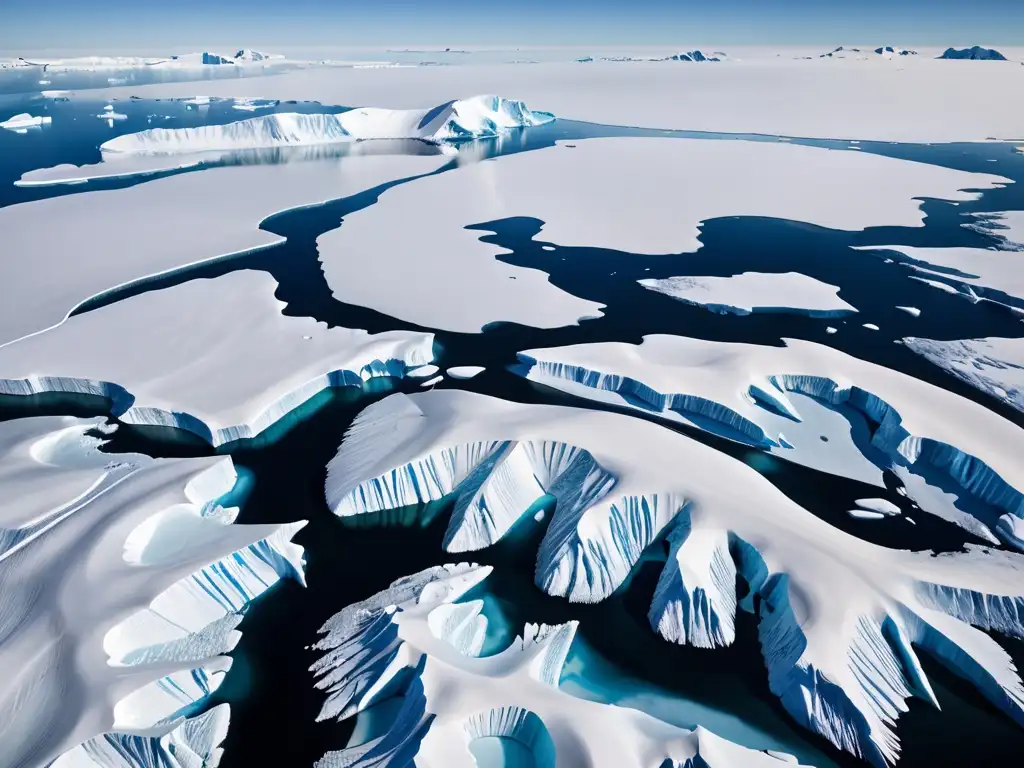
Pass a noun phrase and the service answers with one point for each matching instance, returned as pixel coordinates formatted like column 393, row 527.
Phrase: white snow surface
column 24, row 120
column 472, row 118
column 67, row 582
column 911, row 98
column 746, row 392
column 841, row 619
column 215, row 357
column 749, row 292
column 458, row 698
column 622, row 193
column 998, row 274
column 1006, row 226
column 994, row 365
column 111, row 238
column 881, row 506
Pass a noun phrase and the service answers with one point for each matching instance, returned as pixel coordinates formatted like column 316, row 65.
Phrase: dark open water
column 269, row 688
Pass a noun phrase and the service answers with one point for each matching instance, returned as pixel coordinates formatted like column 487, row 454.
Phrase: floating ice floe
column 110, row 115
column 465, row 371
column 22, row 122
column 619, row 193
column 473, row 118
column 841, row 621
column 929, row 437
column 789, row 292
column 228, row 367
column 253, row 105
column 126, row 235
column 1005, row 226
column 994, row 366
column 123, row 585
column 912, row 311
column 454, row 699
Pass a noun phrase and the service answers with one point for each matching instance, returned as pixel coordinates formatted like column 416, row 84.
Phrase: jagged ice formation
column 841, row 620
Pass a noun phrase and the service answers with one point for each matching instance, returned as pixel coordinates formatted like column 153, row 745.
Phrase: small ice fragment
column 914, row 311
column 539, row 516
column 882, row 506
column 547, row 247
column 465, row 371
column 432, row 382
column 871, row 326
column 830, row 330
column 863, row 514
column 422, row 372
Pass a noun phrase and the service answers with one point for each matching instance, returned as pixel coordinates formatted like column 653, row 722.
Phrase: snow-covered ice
column 456, row 699
column 841, row 620
column 746, row 391
column 121, row 236
column 912, row 311
column 24, row 121
column 924, row 100
column 472, row 118
column 215, row 357
column 621, row 193
column 756, row 292
column 994, row 365
column 111, row 115
column 104, row 543
column 881, row 506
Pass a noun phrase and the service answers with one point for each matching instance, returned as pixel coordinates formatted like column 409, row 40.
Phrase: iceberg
column 739, row 390
column 24, row 121
column 474, row 118
column 453, row 702
column 695, row 56
column 123, row 581
column 743, row 294
column 977, row 53
column 840, row 620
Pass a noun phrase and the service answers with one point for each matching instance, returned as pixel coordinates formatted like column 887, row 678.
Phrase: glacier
column 123, row 581
column 473, row 118
column 918, row 428
column 453, row 701
column 229, row 367
column 840, row 620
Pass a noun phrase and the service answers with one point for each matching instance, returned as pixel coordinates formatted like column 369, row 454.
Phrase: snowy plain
column 903, row 99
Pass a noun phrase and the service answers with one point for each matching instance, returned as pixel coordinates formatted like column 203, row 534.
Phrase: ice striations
column 474, row 118
column 739, row 391
column 995, row 366
column 840, row 620
column 453, row 701
column 123, row 582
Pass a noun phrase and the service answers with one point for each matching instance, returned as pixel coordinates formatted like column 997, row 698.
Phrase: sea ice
column 881, row 506
column 749, row 292
column 91, row 553
column 112, row 238
column 227, row 365
column 465, row 371
column 746, row 391
column 928, row 101
column 840, row 620
column 455, row 699
column 620, row 193
column 912, row 311
column 994, row 366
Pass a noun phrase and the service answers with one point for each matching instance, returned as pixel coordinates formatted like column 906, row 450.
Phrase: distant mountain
column 977, row 53
column 886, row 51
column 693, row 56
column 249, row 55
